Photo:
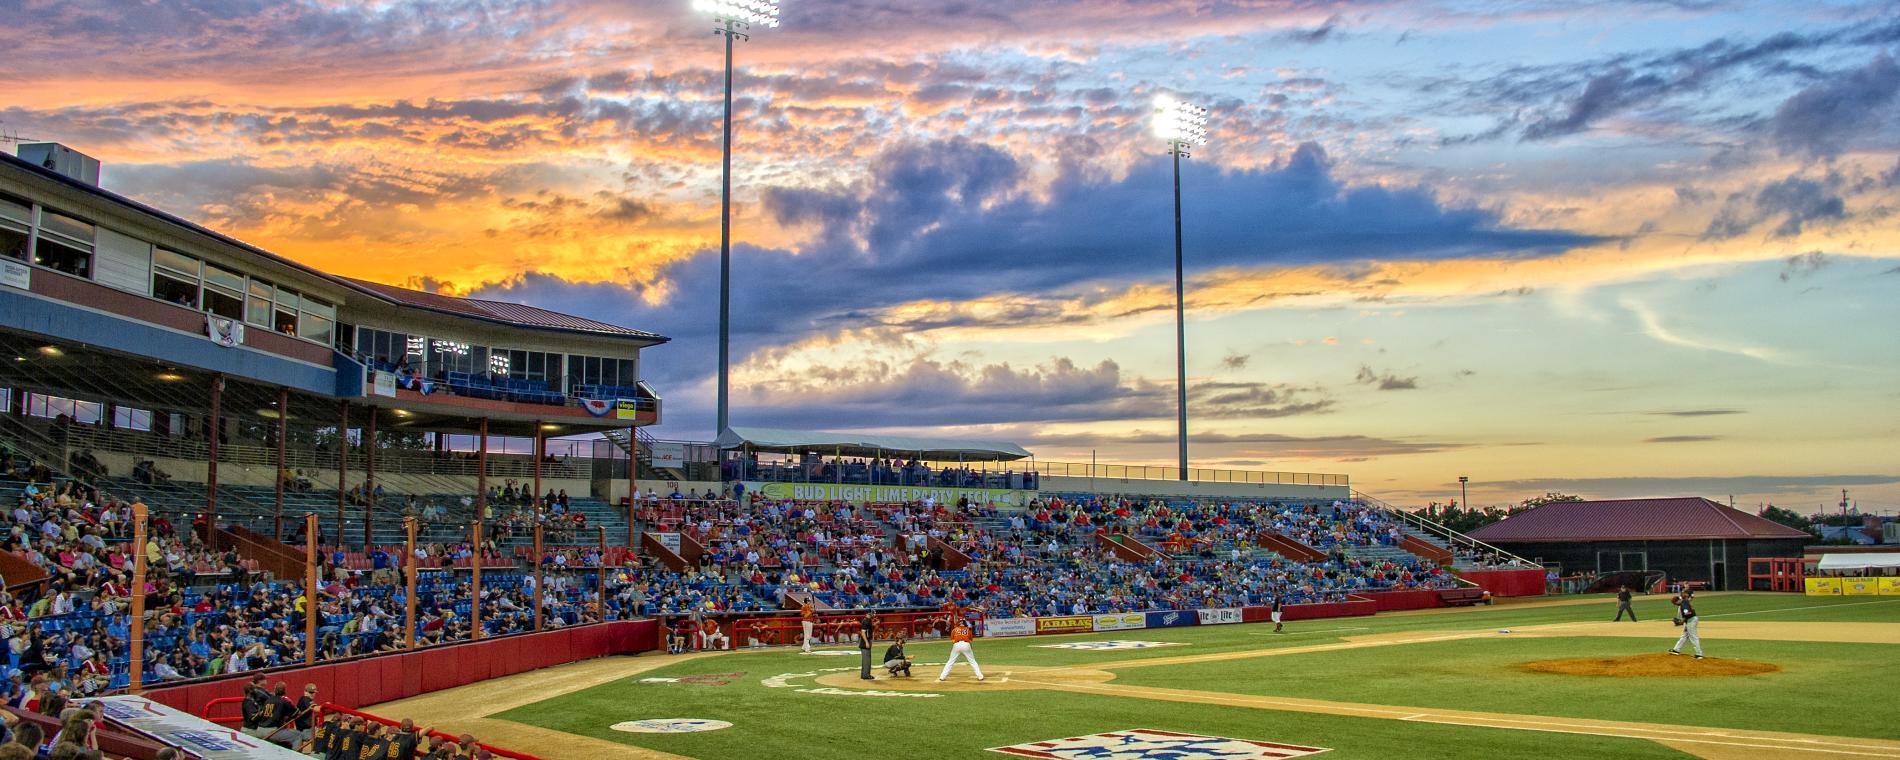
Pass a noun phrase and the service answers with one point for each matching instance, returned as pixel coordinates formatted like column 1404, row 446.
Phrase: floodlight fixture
column 1180, row 123
column 732, row 19
column 747, row 12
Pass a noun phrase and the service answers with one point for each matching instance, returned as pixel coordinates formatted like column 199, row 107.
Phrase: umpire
column 866, row 625
column 1623, row 605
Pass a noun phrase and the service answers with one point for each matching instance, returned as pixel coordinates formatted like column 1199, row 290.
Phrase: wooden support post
column 538, row 580
column 138, row 596
column 600, row 615
column 409, row 595
column 475, row 567
column 312, row 608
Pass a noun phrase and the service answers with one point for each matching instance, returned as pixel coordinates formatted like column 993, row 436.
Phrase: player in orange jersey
column 960, row 636
column 807, row 617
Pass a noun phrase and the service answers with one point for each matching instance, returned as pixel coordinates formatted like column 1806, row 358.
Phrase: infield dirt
column 1655, row 665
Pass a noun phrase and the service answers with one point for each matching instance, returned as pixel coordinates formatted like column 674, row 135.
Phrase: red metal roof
column 1664, row 519
column 500, row 311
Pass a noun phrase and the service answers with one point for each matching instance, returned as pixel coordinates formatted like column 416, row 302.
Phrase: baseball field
column 1787, row 676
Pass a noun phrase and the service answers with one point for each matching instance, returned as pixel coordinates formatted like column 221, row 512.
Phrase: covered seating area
column 774, row 455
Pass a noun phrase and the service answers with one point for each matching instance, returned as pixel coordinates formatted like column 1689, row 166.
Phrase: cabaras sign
column 1009, row 627
column 1121, row 622
column 863, row 493
column 1220, row 616
column 1071, row 624
column 1171, row 619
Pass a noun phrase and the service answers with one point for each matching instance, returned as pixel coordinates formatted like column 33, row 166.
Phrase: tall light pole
column 1183, row 126
column 1464, row 496
column 733, row 19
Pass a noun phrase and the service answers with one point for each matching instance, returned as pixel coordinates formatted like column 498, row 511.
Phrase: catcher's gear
column 1677, row 621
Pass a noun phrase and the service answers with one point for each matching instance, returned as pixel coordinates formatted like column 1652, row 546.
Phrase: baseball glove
column 1677, row 621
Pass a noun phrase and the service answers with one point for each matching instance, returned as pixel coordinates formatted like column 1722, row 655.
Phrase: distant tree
column 1548, row 498
column 1791, row 519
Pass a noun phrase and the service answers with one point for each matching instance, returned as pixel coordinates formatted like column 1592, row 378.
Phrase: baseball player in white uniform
column 1685, row 612
column 961, row 637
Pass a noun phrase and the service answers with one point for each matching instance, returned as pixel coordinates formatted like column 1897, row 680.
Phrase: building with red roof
column 1690, row 538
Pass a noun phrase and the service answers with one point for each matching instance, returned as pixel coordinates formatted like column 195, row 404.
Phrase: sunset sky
column 1627, row 248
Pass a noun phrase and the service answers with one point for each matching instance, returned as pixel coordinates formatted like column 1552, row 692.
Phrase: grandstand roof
column 868, row 445
column 501, row 312
column 1663, row 519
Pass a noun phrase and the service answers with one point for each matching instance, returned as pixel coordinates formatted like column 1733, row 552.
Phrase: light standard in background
column 1183, row 126
column 734, row 19
column 1464, row 496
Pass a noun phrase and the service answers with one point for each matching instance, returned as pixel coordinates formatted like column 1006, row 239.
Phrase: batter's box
column 1150, row 744
column 1106, row 646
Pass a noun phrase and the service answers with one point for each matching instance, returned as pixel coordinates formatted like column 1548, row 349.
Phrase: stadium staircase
column 639, row 448
column 1291, row 549
column 1433, row 541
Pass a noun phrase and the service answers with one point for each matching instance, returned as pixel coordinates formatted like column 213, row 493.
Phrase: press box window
column 65, row 244
column 257, row 309
column 16, row 221
column 175, row 278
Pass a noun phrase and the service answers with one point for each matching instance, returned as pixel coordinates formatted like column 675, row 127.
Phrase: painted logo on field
column 1151, row 744
column 791, row 681
column 1109, row 646
column 670, row 726
column 708, row 679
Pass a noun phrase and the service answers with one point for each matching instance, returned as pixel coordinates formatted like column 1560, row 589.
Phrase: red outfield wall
column 1508, row 582
column 371, row 680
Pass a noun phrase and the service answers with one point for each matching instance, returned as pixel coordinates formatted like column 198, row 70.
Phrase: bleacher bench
column 1462, row 597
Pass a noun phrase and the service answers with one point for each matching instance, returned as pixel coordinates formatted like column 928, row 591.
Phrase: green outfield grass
column 1474, row 674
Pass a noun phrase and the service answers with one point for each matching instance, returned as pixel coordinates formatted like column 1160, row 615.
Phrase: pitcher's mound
column 1657, row 665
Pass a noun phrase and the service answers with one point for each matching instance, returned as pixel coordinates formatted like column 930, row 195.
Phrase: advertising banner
column 16, row 274
column 193, row 734
column 1890, row 586
column 1126, row 621
column 1009, row 627
column 669, row 540
column 1070, row 624
column 1220, row 616
column 858, row 493
column 1171, row 619
column 383, row 384
column 1824, row 586
column 626, row 409
column 668, row 455
column 1860, row 586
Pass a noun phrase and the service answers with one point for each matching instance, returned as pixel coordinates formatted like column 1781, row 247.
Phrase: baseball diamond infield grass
column 1428, row 684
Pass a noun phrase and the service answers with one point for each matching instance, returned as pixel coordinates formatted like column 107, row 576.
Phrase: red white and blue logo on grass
column 1151, row 744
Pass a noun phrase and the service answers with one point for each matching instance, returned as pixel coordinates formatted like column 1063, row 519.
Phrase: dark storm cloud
column 1696, row 412
column 948, row 222
column 1546, row 102
column 1828, row 116
column 1386, row 381
column 1797, row 202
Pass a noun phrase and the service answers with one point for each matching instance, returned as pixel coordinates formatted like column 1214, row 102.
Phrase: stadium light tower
column 734, row 20
column 1183, row 126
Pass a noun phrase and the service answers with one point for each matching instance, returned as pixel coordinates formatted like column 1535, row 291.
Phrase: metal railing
column 263, row 454
column 1461, row 545
column 1199, row 474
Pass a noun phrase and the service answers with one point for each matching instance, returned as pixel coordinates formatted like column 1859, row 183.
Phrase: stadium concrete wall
column 1191, row 488
column 373, row 680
